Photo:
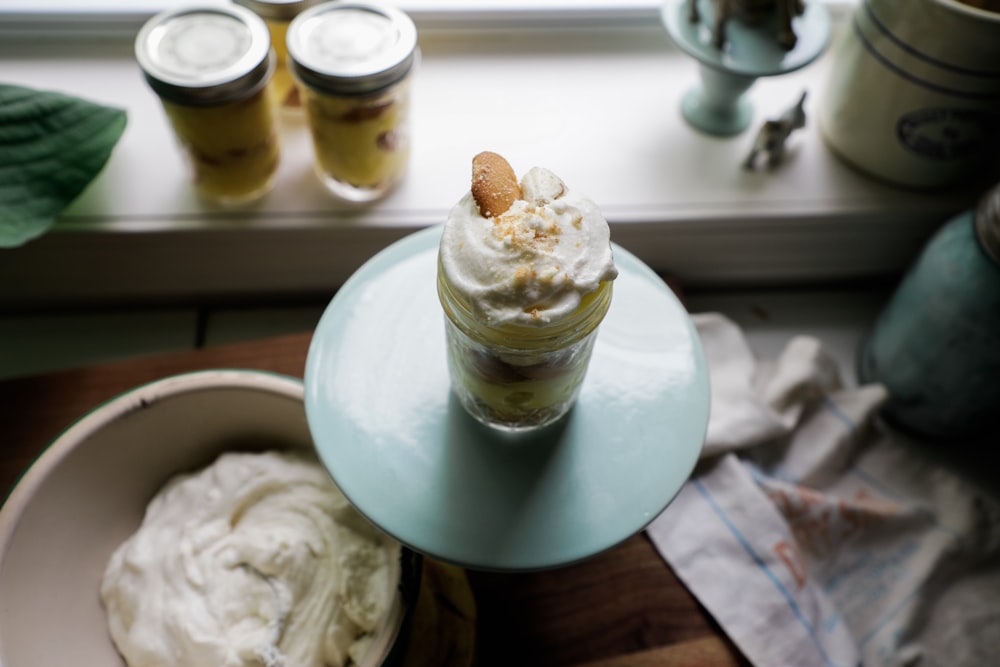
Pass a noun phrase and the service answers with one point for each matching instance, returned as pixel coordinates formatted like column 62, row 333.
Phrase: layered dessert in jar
column 525, row 273
column 278, row 14
column 361, row 141
column 353, row 62
column 210, row 66
column 232, row 149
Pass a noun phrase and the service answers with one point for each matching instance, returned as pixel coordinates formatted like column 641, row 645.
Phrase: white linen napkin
column 814, row 538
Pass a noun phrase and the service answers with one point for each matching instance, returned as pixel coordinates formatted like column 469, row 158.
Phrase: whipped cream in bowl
column 257, row 559
column 189, row 522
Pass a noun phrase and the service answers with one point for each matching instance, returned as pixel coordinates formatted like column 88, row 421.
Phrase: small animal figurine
column 774, row 133
column 750, row 12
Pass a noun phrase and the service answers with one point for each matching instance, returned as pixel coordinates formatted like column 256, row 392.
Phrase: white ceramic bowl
column 88, row 491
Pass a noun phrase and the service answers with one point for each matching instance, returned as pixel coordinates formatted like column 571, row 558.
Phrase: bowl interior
column 87, row 493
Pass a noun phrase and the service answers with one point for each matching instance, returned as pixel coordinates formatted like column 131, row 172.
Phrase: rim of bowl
column 959, row 7
column 113, row 408
column 395, row 626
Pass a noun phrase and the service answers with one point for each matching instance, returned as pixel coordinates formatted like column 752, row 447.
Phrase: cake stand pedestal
column 718, row 105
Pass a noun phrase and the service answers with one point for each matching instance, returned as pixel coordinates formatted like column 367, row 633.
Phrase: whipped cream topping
column 256, row 560
column 533, row 264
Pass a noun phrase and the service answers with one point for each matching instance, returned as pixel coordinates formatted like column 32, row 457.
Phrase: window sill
column 124, row 17
column 598, row 107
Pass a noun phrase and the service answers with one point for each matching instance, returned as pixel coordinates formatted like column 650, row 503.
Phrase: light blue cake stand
column 411, row 460
column 718, row 105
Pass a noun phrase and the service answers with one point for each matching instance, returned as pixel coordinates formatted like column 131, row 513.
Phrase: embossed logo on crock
column 946, row 134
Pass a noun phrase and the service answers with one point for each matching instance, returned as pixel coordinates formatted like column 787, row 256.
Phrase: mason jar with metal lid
column 210, row 67
column 278, row 14
column 353, row 62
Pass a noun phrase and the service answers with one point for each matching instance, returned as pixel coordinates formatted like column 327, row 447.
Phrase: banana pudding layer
column 531, row 263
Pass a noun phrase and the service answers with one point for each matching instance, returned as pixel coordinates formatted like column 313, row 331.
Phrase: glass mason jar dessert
column 353, row 62
column 524, row 283
column 210, row 67
column 278, row 14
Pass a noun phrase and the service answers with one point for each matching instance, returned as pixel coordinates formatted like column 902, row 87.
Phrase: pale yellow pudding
column 232, row 149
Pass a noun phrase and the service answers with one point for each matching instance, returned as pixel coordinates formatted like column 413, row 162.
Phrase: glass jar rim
column 564, row 331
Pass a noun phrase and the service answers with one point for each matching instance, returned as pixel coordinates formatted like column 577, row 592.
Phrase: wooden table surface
column 622, row 607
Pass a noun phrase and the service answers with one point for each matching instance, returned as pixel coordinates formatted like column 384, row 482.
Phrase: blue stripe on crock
column 988, row 74
column 980, row 97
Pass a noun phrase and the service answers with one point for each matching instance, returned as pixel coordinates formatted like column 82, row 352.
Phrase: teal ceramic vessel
column 936, row 345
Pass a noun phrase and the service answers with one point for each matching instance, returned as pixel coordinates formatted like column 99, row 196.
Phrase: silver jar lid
column 205, row 55
column 351, row 48
column 277, row 10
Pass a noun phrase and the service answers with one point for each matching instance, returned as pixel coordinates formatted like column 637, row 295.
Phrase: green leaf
column 51, row 147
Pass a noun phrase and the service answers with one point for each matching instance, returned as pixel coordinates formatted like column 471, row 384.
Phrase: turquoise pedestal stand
column 718, row 105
